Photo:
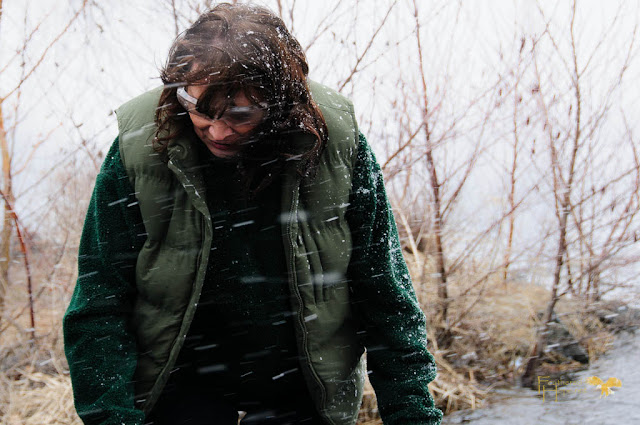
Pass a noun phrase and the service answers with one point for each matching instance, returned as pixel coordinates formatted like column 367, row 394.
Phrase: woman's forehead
column 240, row 98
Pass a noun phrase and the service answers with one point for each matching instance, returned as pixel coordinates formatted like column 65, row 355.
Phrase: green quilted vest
column 316, row 239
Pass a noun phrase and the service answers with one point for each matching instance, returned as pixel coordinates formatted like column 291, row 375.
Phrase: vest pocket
column 165, row 275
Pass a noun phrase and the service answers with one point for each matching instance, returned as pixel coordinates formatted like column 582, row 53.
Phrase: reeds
column 493, row 327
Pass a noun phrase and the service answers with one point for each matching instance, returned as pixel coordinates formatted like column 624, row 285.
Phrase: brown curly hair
column 245, row 48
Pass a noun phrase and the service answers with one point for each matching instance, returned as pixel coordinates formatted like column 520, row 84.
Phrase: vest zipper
column 163, row 377
column 290, row 247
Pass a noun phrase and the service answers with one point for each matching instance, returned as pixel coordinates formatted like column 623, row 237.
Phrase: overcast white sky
column 113, row 52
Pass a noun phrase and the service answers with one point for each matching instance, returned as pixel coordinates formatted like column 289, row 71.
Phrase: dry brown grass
column 34, row 382
column 494, row 327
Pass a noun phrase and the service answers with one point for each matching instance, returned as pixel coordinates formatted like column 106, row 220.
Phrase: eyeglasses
column 234, row 116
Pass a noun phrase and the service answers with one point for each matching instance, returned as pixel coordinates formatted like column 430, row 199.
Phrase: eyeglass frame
column 189, row 103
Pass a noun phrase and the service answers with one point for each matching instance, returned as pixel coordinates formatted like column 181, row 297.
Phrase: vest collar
column 185, row 164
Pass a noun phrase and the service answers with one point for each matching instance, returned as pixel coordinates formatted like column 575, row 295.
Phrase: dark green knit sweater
column 96, row 322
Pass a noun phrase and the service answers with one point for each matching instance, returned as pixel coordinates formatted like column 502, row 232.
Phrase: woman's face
column 224, row 137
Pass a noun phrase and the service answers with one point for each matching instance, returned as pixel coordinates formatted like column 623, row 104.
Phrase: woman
column 239, row 252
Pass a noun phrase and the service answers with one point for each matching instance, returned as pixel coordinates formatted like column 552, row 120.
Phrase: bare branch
column 46, row 51
column 359, row 59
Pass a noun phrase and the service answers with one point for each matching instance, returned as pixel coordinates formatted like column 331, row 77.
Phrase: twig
column 23, row 249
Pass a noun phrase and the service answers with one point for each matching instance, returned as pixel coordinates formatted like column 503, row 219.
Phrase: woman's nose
column 219, row 130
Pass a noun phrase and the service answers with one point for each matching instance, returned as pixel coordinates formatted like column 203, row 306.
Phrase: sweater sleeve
column 99, row 343
column 393, row 326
